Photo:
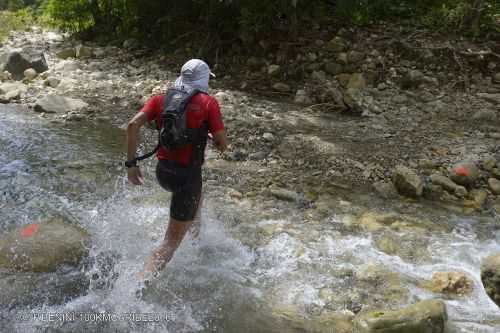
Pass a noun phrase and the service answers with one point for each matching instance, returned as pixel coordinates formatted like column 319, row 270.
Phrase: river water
column 214, row 283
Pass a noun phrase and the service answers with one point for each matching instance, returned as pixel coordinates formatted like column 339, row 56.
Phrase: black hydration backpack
column 173, row 130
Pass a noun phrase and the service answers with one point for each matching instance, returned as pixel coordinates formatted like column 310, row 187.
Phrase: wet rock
column 83, row 51
column 30, row 74
column 490, row 276
column 448, row 185
column 450, row 283
column 494, row 185
column 274, row 70
column 386, row 190
column 23, row 289
column 380, row 286
column 464, row 173
column 283, row 87
column 301, row 97
column 43, row 247
column 336, row 45
column 412, row 79
column 406, row 246
column 59, row 104
column 424, row 317
column 66, row 53
column 492, row 98
column 373, row 221
column 496, row 78
column 407, row 182
column 18, row 62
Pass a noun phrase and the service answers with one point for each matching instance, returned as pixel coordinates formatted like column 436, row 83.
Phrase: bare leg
column 197, row 219
column 163, row 254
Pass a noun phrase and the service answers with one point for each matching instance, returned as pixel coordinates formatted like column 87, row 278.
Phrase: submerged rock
column 490, row 276
column 424, row 317
column 407, row 182
column 23, row 289
column 43, row 247
column 59, row 104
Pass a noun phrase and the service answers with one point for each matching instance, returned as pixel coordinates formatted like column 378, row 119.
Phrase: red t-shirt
column 202, row 107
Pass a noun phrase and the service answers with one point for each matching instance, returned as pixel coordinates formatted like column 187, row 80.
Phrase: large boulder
column 43, row 247
column 464, row 173
column 490, row 276
column 407, row 182
column 59, row 104
column 424, row 317
column 17, row 62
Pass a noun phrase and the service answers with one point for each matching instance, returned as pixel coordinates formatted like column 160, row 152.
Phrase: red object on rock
column 29, row 230
column 462, row 171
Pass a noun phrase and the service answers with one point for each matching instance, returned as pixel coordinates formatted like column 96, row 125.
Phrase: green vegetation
column 245, row 21
column 15, row 20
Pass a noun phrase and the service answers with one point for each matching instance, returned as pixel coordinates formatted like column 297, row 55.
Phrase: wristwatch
column 131, row 163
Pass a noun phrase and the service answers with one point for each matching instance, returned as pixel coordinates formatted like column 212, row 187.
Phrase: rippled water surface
column 214, row 283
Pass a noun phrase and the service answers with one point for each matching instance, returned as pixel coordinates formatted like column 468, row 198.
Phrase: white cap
column 194, row 75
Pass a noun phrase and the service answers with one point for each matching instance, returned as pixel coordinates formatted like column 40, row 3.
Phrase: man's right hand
column 135, row 176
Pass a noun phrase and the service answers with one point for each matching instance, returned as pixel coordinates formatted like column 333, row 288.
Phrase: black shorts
column 185, row 185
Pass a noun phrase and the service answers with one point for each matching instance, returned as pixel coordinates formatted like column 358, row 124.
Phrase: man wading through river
column 185, row 116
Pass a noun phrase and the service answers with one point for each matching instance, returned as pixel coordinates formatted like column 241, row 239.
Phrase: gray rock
column 67, row 66
column 490, row 276
column 428, row 316
column 407, row 182
column 66, row 53
column 448, row 185
column 412, row 79
column 9, row 87
column 59, row 104
column 17, row 62
column 386, row 190
column 333, row 68
column 301, row 97
column 494, row 185
column 336, row 45
column 318, row 76
column 43, row 247
column 268, row 136
column 464, row 173
column 281, row 87
column 274, row 70
column 131, row 44
column 355, row 57
column 492, row 98
column 485, row 115
column 52, row 82
column 496, row 78
column 83, row 52
column 284, row 194
column 30, row 74
column 400, row 99
column 5, row 76
column 342, row 58
column 99, row 76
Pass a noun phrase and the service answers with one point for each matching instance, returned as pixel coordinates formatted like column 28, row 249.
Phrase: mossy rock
column 424, row 317
column 43, row 247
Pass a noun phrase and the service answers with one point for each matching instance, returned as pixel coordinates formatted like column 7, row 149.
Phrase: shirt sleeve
column 215, row 123
column 152, row 108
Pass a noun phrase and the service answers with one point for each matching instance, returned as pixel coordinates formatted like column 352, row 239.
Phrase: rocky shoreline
column 368, row 128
